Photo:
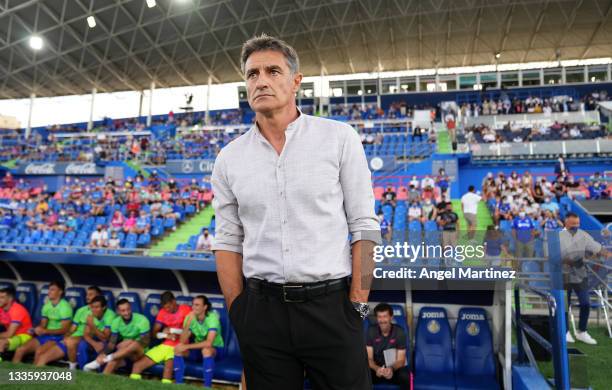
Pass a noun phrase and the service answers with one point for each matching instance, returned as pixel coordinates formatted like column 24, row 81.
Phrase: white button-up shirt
column 290, row 215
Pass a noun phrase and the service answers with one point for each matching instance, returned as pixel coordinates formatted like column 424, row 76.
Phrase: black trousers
column 281, row 342
column 400, row 377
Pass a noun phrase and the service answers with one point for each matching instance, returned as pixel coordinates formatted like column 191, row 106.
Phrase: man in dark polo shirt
column 384, row 336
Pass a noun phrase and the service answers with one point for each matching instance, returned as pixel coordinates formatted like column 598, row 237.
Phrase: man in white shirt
column 205, row 241
column 427, row 182
column 469, row 206
column 99, row 238
column 287, row 194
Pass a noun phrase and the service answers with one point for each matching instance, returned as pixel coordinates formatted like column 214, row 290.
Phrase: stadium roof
column 183, row 42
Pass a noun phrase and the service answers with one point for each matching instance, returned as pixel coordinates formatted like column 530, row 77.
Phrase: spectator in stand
column 388, row 197
column 413, row 194
column 503, row 210
column 469, row 207
column 205, row 241
column 415, row 213
column 117, row 221
column 386, row 230
column 417, row 132
column 550, row 221
column 8, row 181
column 414, row 182
column 427, row 181
column 99, row 238
column 447, row 221
column 560, row 166
column 597, row 190
column 595, row 177
column 143, row 223
column 429, row 210
column 523, row 232
column 559, row 189
column 496, row 246
column 538, row 193
column 129, row 226
column 551, row 206
column 443, row 182
column 114, row 242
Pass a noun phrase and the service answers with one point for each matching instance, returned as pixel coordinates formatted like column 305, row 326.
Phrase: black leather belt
column 297, row 292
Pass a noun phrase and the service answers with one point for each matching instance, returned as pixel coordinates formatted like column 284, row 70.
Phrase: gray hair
column 266, row 42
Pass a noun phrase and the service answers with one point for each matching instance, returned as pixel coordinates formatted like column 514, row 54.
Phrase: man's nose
column 262, row 82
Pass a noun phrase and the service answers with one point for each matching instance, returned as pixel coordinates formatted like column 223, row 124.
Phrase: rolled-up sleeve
column 229, row 233
column 591, row 245
column 356, row 182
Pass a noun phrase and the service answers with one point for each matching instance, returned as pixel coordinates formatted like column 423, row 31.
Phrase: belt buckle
column 285, row 299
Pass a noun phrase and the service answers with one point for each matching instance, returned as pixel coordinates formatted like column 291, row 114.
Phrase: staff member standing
column 575, row 245
column 287, row 194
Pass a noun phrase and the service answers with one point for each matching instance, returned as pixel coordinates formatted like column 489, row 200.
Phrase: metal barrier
column 48, row 248
column 558, row 352
column 541, row 148
column 498, row 121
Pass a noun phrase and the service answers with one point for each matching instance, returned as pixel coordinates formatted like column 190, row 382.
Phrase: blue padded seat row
column 433, row 351
column 152, row 305
column 110, row 299
column 26, row 295
column 474, row 356
column 75, row 296
column 42, row 298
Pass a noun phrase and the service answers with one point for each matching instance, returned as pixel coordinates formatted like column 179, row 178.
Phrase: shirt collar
column 290, row 127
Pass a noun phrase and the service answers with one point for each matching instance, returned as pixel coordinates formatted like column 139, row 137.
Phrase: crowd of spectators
column 507, row 196
column 513, row 132
column 128, row 207
column 424, row 202
column 504, row 105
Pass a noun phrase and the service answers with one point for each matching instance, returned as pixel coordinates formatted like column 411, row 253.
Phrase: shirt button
column 284, row 221
column 286, row 249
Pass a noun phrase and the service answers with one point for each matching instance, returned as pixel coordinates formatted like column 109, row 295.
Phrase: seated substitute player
column 129, row 336
column 91, row 329
column 169, row 326
column 203, row 328
column 383, row 336
column 71, row 341
column 16, row 321
column 55, row 323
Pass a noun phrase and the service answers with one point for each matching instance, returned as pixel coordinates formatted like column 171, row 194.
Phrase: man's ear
column 297, row 81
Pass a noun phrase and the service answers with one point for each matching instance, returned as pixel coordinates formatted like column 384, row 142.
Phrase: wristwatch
column 362, row 308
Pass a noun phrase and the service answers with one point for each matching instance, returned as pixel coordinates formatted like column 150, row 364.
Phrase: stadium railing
column 49, row 248
column 498, row 121
column 543, row 149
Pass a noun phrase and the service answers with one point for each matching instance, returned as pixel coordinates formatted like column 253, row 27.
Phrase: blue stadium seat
column 152, row 306
column 474, row 355
column 229, row 366
column 184, row 300
column 133, row 298
column 75, row 296
column 4, row 284
column 110, row 299
column 433, row 352
column 42, row 298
